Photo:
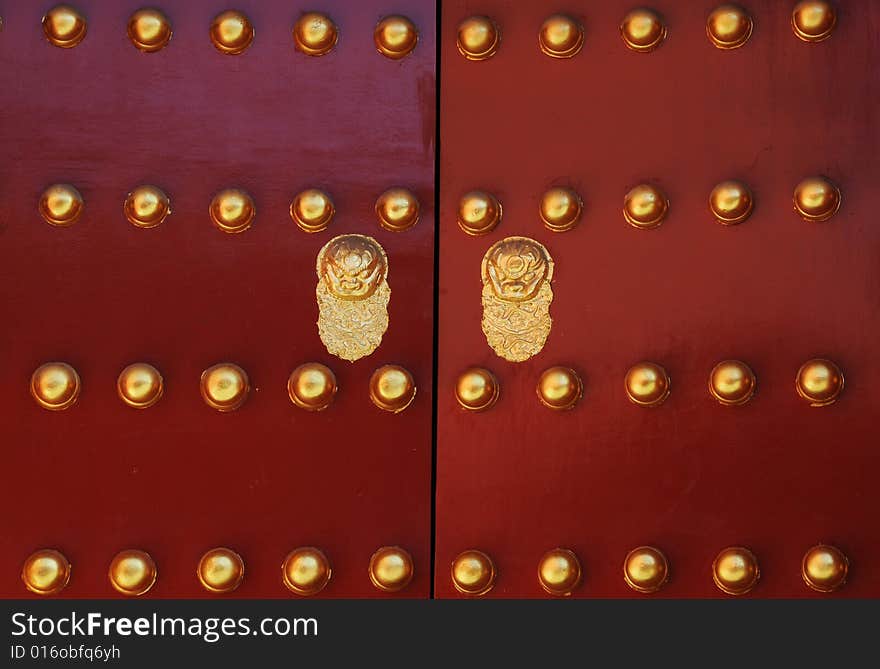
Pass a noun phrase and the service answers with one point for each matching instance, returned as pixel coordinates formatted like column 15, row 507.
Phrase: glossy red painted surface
column 178, row 479
column 690, row 477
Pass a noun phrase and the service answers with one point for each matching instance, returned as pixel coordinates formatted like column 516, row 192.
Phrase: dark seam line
column 436, row 311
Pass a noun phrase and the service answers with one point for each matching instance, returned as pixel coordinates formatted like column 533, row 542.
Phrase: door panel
column 180, row 478
column 691, row 476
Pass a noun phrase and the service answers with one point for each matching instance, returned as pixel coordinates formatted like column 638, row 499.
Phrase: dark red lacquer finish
column 179, row 478
column 690, row 477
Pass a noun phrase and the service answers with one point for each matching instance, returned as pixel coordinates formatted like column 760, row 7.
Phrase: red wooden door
column 647, row 366
column 691, row 476
column 180, row 478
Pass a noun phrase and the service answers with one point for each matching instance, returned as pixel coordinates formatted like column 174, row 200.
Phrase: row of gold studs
column 731, row 382
column 231, row 32
column 305, row 571
column 735, row 570
column 232, row 210
column 312, row 386
column 728, row 26
column 646, row 206
column 225, row 387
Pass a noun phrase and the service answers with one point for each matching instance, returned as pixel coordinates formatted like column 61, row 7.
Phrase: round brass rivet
column 315, row 34
column 312, row 210
column 146, row 206
column 559, row 388
column 731, row 202
column 824, row 568
column 478, row 38
column 232, row 210
column 819, row 382
column 477, row 389
column 140, row 385
column 735, row 570
column 729, row 26
column 645, row 569
column 391, row 568
column 813, row 20
column 220, row 570
column 732, row 382
column 61, row 205
column 560, row 209
column 559, row 572
column 392, row 388
column 46, row 572
column 231, row 32
column 478, row 212
column 149, row 30
column 816, row 199
column 224, row 387
column 645, row 207
column 132, row 572
column 561, row 36
column 642, row 30
column 55, row 386
column 647, row 384
column 473, row 573
column 306, row 571
column 395, row 37
column 64, row 26
column 312, row 386
column 397, row 209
